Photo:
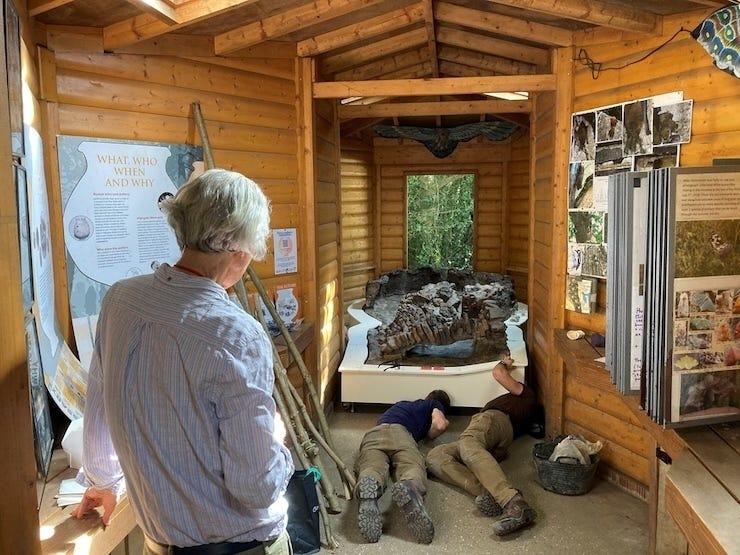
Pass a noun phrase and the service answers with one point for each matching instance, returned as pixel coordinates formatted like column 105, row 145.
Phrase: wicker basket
column 562, row 478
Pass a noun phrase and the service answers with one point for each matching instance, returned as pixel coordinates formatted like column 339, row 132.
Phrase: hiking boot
column 406, row 494
column 516, row 514
column 487, row 505
column 368, row 515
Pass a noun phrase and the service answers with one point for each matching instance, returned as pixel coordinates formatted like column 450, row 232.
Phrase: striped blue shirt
column 180, row 394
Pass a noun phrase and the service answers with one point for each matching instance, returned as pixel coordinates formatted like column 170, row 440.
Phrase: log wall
column 590, row 404
column 358, row 221
column 328, row 251
column 249, row 113
column 489, row 162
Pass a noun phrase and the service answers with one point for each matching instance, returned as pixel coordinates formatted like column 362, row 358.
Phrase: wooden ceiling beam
column 593, row 12
column 36, row 7
column 431, row 36
column 380, row 49
column 455, row 69
column 146, row 26
column 419, row 71
column 449, row 108
column 356, row 126
column 159, row 9
column 502, row 48
column 385, row 23
column 286, row 22
column 440, row 86
column 503, row 25
column 383, row 66
column 493, row 64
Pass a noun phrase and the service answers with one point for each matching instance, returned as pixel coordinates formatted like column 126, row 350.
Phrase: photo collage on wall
column 705, row 334
column 634, row 136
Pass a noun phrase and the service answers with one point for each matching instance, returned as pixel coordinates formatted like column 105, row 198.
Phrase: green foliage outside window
column 440, row 220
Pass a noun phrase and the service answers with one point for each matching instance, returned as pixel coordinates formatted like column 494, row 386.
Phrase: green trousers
column 469, row 462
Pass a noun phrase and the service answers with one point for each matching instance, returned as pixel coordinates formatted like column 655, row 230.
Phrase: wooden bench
column 61, row 533
column 702, row 490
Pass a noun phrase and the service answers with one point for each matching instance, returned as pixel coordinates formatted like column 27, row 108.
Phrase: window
column 440, row 220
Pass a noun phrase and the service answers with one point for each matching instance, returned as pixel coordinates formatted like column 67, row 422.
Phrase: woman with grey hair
column 179, row 411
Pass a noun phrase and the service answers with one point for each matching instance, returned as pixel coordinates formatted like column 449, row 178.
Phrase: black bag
column 303, row 512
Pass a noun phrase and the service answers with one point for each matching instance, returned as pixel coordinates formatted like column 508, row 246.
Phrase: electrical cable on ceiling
column 596, row 67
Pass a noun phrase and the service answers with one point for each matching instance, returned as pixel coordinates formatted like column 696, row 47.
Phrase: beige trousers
column 390, row 447
column 469, row 464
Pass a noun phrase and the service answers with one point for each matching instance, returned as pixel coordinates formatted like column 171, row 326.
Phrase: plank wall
column 248, row 107
column 591, row 404
column 487, row 160
column 358, row 220
column 516, row 207
column 328, row 241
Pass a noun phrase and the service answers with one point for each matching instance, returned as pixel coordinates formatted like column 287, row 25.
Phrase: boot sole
column 487, row 505
column 417, row 519
column 369, row 520
column 502, row 528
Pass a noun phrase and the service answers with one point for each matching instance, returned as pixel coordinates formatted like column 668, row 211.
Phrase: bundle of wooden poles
column 303, row 434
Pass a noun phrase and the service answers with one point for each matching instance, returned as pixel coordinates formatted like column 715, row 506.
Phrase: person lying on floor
column 471, row 462
column 391, row 446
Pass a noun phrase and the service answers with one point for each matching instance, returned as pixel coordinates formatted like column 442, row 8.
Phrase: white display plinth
column 468, row 386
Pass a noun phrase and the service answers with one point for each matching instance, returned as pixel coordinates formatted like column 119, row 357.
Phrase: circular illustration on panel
column 81, row 228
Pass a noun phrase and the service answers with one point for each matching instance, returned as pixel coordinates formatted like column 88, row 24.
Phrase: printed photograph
column 679, row 333
column 583, row 137
column 594, row 260
column 709, row 394
column 586, row 227
column 638, row 127
column 707, row 248
column 610, row 159
column 581, row 184
column 672, row 123
column 661, row 157
column 609, row 124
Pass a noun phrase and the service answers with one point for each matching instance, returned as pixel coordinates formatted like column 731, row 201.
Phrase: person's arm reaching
column 501, row 373
column 439, row 423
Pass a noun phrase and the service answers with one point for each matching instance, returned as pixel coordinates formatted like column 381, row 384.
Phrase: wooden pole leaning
column 299, row 435
column 328, row 534
column 316, row 402
column 305, row 443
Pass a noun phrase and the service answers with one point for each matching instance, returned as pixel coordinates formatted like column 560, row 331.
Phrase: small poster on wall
column 286, row 251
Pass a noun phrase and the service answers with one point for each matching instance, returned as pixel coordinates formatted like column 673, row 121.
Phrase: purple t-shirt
column 415, row 416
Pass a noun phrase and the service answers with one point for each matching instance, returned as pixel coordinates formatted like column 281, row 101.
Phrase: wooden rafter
column 157, row 8
column 503, row 25
column 503, row 48
column 287, row 22
column 592, row 11
column 146, row 26
column 492, row 64
column 376, row 68
column 449, row 108
column 431, row 36
column 362, row 55
column 434, row 87
column 36, row 7
column 385, row 23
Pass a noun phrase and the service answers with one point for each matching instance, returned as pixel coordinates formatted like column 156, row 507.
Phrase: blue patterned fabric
column 718, row 34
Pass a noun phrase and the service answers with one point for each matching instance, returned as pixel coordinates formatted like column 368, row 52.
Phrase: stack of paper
column 70, row 492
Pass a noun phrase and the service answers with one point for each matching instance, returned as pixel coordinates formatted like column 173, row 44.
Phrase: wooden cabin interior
column 291, row 91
